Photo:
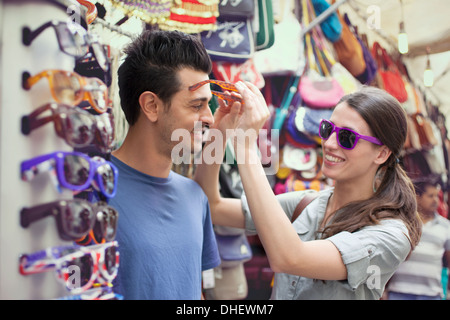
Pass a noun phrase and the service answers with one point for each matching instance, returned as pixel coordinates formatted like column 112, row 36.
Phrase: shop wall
column 15, row 58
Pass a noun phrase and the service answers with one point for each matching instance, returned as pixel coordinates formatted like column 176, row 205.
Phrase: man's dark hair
column 421, row 184
column 152, row 62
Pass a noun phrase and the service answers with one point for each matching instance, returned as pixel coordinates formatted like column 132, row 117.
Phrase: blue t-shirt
column 165, row 236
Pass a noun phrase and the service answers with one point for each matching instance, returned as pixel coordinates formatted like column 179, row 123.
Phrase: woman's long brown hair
column 395, row 196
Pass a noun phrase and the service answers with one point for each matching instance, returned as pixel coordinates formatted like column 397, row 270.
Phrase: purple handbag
column 233, row 249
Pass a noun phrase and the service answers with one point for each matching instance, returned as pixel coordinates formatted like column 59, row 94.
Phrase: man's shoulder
column 179, row 178
column 442, row 220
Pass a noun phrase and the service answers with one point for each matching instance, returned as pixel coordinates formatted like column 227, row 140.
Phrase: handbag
column 424, row 130
column 312, row 119
column 410, row 104
column 232, row 41
column 230, row 280
column 317, row 90
column 233, row 249
column 331, row 26
column 295, row 131
column 371, row 65
column 229, row 284
column 412, row 141
column 286, row 55
column 390, row 76
column 265, row 33
column 233, row 72
column 232, row 9
column 349, row 51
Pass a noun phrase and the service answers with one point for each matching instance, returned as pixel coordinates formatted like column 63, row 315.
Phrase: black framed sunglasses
column 72, row 37
column 346, row 138
column 73, row 40
column 76, row 219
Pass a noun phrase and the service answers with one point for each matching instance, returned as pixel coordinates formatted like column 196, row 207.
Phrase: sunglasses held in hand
column 224, row 85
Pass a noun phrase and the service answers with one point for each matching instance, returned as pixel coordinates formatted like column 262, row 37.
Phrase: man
column 420, row 276
column 164, row 231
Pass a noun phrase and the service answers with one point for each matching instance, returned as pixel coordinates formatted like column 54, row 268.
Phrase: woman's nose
column 331, row 142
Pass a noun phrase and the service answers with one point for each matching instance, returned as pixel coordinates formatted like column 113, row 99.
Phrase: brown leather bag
column 424, row 130
column 412, row 136
column 307, row 199
column 349, row 51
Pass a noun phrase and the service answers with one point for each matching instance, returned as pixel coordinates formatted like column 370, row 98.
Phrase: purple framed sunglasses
column 75, row 171
column 346, row 138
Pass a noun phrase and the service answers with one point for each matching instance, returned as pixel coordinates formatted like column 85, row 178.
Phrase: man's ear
column 383, row 155
column 149, row 105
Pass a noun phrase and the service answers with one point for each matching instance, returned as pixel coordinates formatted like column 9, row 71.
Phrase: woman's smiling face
column 342, row 164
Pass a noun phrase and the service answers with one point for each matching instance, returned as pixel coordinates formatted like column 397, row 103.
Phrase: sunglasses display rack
column 19, row 142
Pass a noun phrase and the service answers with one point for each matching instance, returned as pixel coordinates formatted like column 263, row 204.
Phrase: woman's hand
column 254, row 115
column 255, row 110
column 227, row 117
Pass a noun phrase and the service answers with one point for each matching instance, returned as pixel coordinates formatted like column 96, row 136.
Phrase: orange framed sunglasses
column 70, row 88
column 224, row 85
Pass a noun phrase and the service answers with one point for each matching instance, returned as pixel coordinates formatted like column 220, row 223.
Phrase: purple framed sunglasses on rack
column 75, row 171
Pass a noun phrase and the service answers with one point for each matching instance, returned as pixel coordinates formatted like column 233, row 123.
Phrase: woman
column 346, row 243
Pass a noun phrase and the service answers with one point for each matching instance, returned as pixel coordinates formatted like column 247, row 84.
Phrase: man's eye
column 198, row 107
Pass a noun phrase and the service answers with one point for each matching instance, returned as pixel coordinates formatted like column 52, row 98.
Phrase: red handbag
column 234, row 72
column 391, row 77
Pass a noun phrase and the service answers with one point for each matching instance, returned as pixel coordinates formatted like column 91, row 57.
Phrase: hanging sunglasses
column 91, row 66
column 76, row 266
column 73, row 40
column 224, row 85
column 70, row 88
column 75, row 171
column 76, row 219
column 77, row 127
column 346, row 138
column 72, row 37
column 97, row 57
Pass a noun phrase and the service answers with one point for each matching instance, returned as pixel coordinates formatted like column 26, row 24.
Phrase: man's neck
column 141, row 153
column 425, row 217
